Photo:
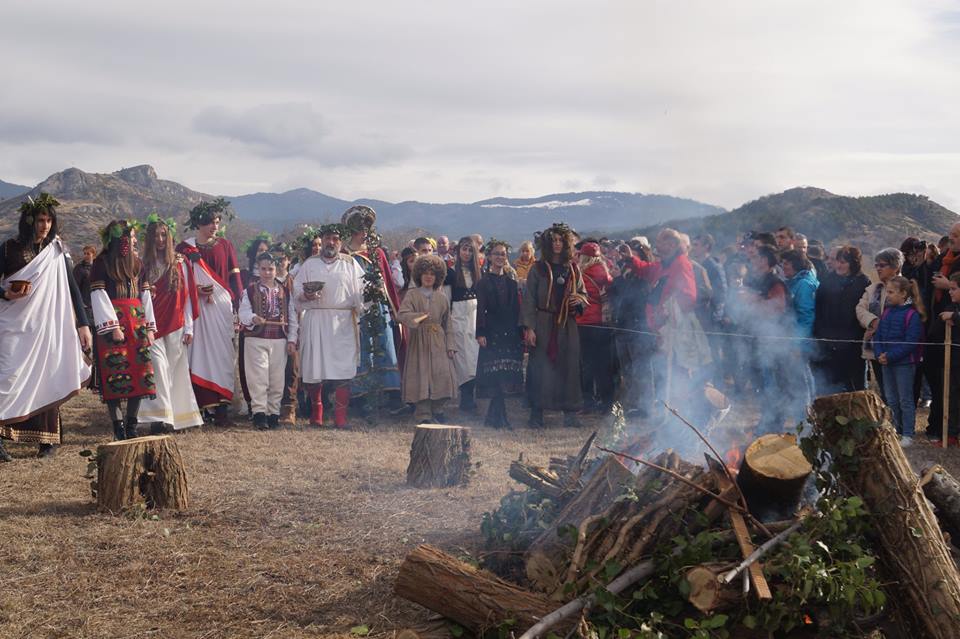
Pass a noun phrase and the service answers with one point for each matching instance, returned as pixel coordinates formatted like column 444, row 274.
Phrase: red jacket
column 595, row 279
column 679, row 284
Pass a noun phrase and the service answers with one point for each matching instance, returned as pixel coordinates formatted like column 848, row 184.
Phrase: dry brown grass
column 296, row 533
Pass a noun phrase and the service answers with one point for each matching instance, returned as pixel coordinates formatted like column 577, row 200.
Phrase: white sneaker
column 906, row 442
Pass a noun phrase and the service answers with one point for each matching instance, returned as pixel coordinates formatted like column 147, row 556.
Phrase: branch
column 757, row 554
column 679, row 477
column 639, row 572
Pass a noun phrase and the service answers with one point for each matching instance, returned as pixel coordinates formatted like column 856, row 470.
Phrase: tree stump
column 439, row 456
column 475, row 599
column 145, row 470
column 772, row 476
column 909, row 537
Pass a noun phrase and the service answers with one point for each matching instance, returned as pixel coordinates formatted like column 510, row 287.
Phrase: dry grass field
column 295, row 533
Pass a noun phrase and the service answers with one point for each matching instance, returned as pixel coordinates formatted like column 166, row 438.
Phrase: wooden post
column 947, row 347
column 909, row 536
column 147, row 470
column 439, row 456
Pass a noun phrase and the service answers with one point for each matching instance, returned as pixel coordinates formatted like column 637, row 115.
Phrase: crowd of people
column 573, row 325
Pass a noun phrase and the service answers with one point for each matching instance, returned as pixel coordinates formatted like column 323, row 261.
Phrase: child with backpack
column 897, row 347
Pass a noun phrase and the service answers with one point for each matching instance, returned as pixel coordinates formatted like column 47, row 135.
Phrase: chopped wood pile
column 749, row 551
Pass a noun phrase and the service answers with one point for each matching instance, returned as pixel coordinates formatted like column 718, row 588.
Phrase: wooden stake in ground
column 439, row 456
column 144, row 470
column 947, row 347
column 912, row 545
column 475, row 599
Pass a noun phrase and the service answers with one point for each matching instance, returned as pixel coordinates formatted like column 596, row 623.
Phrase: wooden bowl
column 19, row 286
column 313, row 287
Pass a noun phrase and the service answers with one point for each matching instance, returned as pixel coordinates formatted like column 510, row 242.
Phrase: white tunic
column 327, row 328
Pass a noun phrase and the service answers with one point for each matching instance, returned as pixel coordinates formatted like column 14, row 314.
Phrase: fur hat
column 359, row 218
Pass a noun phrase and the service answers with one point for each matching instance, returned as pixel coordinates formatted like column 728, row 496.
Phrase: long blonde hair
column 153, row 266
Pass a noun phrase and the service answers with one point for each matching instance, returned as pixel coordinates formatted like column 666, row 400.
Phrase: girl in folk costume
column 500, row 363
column 462, row 281
column 555, row 294
column 425, row 313
column 174, row 301
column 263, row 314
column 125, row 326
column 41, row 318
column 215, row 273
column 378, row 368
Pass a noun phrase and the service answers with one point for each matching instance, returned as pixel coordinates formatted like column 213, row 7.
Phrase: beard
column 329, row 252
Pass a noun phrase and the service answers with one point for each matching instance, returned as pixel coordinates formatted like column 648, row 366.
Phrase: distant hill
column 506, row 218
column 8, row 190
column 870, row 222
column 90, row 200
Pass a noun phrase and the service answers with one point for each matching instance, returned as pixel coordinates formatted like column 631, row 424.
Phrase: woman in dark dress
column 839, row 366
column 500, row 363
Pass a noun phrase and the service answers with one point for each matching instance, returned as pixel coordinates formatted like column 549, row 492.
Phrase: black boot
column 220, row 415
column 467, row 402
column 504, row 421
column 46, row 450
column 4, row 455
column 536, row 418
column 260, row 421
column 118, row 434
column 130, row 428
column 273, row 422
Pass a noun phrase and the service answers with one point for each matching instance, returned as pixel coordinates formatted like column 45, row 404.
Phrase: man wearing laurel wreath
column 216, row 274
column 44, row 330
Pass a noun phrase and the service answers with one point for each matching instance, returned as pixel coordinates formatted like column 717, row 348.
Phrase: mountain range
column 90, row 200
column 8, row 190
column 869, row 222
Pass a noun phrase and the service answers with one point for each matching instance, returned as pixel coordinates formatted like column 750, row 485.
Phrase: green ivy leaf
column 750, row 622
column 843, row 421
column 360, row 631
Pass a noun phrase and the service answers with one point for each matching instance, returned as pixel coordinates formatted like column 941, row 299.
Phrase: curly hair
column 430, row 263
column 852, row 256
column 546, row 243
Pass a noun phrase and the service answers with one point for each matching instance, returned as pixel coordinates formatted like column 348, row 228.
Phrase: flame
column 807, row 620
column 732, row 458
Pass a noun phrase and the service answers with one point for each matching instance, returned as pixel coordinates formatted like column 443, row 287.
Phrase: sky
column 442, row 101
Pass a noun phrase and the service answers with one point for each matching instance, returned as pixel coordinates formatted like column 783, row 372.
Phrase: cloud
column 293, row 130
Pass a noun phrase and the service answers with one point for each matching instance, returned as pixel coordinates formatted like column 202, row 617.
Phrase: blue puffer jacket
column 803, row 291
column 899, row 324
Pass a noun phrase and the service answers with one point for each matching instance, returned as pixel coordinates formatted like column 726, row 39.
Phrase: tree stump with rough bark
column 143, row 470
column 856, row 427
column 772, row 476
column 439, row 456
column 473, row 598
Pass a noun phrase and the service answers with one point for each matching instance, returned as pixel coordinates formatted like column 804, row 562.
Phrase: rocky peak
column 142, row 175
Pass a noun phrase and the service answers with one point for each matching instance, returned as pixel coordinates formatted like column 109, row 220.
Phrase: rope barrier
column 783, row 338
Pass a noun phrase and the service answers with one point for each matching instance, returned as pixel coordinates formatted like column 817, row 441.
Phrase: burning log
column 546, row 559
column 439, row 456
column 147, row 470
column 909, row 536
column 707, row 593
column 943, row 490
column 542, row 479
column 475, row 599
column 773, row 474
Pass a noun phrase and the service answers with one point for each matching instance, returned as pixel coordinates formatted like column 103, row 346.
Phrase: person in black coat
column 839, row 367
column 500, row 363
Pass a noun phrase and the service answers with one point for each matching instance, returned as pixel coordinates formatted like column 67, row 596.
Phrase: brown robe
column 427, row 371
column 553, row 373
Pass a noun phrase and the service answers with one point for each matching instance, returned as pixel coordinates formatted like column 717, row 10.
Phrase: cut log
column 772, row 476
column 144, row 470
column 549, row 554
column 439, row 456
column 475, row 599
column 707, row 593
column 542, row 479
column 943, row 490
column 910, row 540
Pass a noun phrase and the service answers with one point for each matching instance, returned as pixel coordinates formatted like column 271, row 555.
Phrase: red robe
column 169, row 305
column 221, row 258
